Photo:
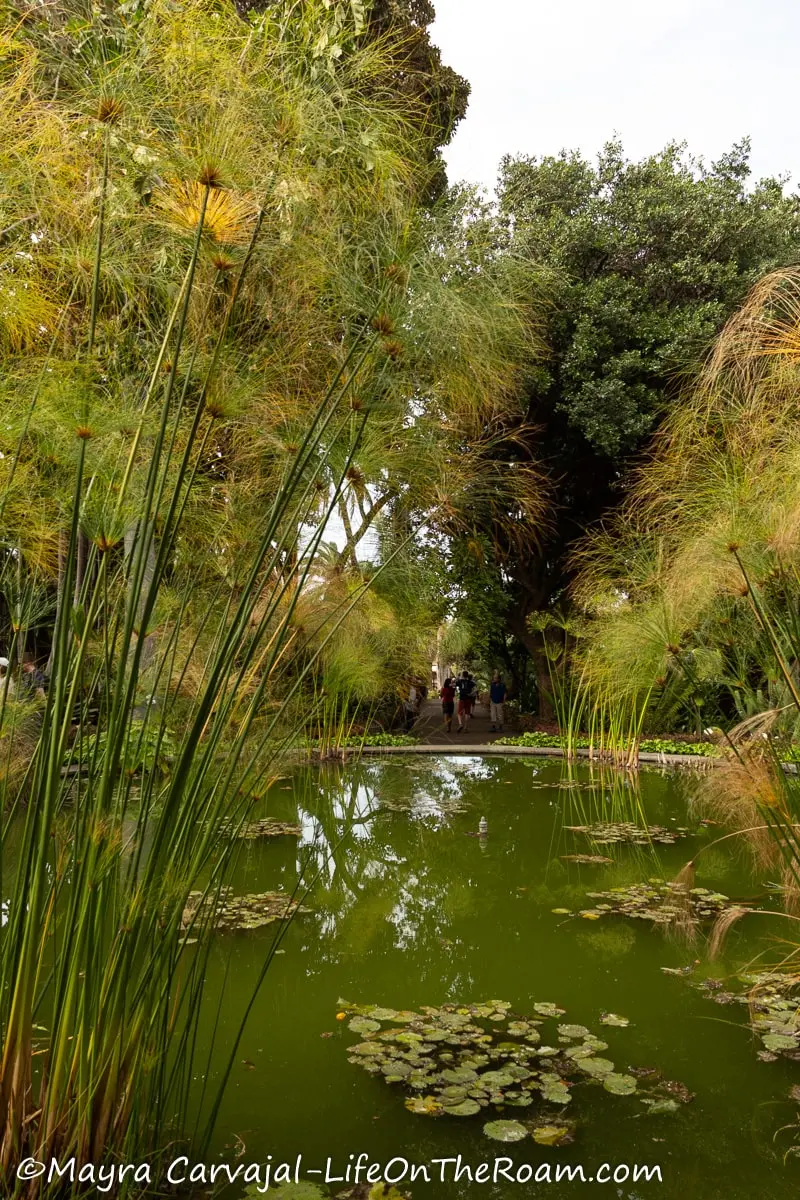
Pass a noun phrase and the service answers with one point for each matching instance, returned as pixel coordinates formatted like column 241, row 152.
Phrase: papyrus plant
column 160, row 514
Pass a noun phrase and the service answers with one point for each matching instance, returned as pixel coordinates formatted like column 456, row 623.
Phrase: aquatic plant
column 461, row 1060
column 180, row 430
column 662, row 903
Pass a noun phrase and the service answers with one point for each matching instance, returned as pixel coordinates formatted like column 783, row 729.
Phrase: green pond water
column 409, row 908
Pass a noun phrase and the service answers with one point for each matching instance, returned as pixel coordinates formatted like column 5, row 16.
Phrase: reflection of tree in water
column 387, row 879
column 610, row 796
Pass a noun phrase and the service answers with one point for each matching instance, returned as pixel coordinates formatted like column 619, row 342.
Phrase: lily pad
column 596, row 1066
column 467, row 1108
column 505, row 1131
column 548, row 1010
column 551, row 1135
column 659, row 902
column 424, row 1106
column 606, row 833
column 363, row 1025
column 266, row 828
column 619, row 1085
column 228, row 912
column 573, row 1031
column 779, row 1041
column 383, row 1014
column 458, row 1060
column 460, row 1075
column 612, row 1019
column 588, row 859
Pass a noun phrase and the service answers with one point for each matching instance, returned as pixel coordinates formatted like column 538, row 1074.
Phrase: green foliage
column 215, row 208
column 149, row 747
column 648, row 259
column 583, row 741
column 641, row 262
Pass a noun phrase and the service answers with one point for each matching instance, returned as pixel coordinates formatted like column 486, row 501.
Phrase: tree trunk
column 544, row 686
column 533, row 641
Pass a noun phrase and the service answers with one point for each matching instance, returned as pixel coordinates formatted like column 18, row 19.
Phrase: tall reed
column 175, row 664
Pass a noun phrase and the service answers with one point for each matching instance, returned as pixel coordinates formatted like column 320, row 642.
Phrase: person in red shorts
column 448, row 695
column 467, row 695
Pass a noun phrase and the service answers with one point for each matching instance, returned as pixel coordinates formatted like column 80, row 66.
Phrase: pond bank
column 665, row 760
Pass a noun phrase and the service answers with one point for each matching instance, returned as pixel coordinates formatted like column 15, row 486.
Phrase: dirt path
column 429, row 727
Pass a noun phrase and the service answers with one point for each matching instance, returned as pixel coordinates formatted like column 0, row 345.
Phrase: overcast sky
column 548, row 74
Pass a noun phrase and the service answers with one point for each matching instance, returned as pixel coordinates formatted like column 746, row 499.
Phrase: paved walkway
column 430, row 729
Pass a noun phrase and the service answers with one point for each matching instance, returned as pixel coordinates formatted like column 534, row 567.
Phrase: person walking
column 411, row 706
column 467, row 694
column 497, row 699
column 7, row 685
column 448, row 695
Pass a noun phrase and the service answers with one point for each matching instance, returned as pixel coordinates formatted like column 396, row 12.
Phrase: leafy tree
column 644, row 261
column 414, row 73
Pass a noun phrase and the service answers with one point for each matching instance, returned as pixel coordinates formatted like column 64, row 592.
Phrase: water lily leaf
column 588, row 859
column 609, row 1018
column 556, row 1093
column 596, row 1066
column 562, row 912
column 384, row 1014
column 548, row 1010
column 619, row 1085
column 460, row 1075
column 363, row 1025
column 369, row 1049
column 590, row 914
column 467, row 1108
column 584, row 1050
column 573, row 1031
column 424, row 1106
column 505, row 1131
column 550, row 1135
column 497, row 1079
column 397, row 1068
column 779, row 1041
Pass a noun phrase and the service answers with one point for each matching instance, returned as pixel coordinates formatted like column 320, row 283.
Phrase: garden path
column 430, row 728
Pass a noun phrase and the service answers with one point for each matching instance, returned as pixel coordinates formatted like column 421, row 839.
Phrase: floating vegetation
column 266, row 828
column 657, row 901
column 773, row 1002
column 589, row 859
column 240, row 912
column 612, row 833
column 462, row 1061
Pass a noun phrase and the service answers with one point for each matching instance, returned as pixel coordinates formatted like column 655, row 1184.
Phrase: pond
column 410, row 908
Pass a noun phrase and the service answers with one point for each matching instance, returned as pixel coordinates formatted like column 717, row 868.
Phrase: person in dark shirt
column 33, row 682
column 497, row 699
column 467, row 695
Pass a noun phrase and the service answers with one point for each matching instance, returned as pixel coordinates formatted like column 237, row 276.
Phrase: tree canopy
column 641, row 263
